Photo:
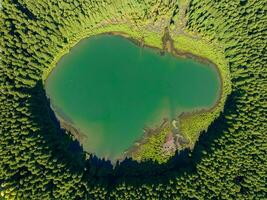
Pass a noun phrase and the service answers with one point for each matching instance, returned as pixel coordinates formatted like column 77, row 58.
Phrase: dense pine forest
column 39, row 161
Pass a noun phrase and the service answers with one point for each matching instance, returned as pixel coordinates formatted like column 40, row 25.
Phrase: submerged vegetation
column 40, row 161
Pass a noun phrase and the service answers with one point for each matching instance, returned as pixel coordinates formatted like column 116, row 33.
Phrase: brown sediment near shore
column 168, row 46
column 125, row 35
column 68, row 126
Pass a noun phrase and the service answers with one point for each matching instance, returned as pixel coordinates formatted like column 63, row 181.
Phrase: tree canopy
column 40, row 161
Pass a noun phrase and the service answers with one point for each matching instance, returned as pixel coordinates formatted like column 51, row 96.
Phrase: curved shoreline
column 179, row 54
column 173, row 51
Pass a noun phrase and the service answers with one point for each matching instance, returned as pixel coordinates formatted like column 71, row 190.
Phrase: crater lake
column 109, row 89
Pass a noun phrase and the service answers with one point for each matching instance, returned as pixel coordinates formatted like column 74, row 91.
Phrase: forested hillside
column 39, row 161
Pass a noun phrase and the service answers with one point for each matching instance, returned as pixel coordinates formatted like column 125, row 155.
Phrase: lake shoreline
column 168, row 47
column 178, row 54
column 148, row 132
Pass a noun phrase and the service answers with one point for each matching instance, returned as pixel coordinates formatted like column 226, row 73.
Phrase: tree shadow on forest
column 68, row 151
column 24, row 10
column 62, row 146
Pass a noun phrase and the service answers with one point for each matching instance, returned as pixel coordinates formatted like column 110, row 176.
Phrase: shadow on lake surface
column 69, row 152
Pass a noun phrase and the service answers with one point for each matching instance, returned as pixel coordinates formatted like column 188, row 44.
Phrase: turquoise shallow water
column 110, row 89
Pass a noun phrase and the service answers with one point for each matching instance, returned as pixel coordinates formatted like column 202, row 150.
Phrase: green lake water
column 109, row 89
